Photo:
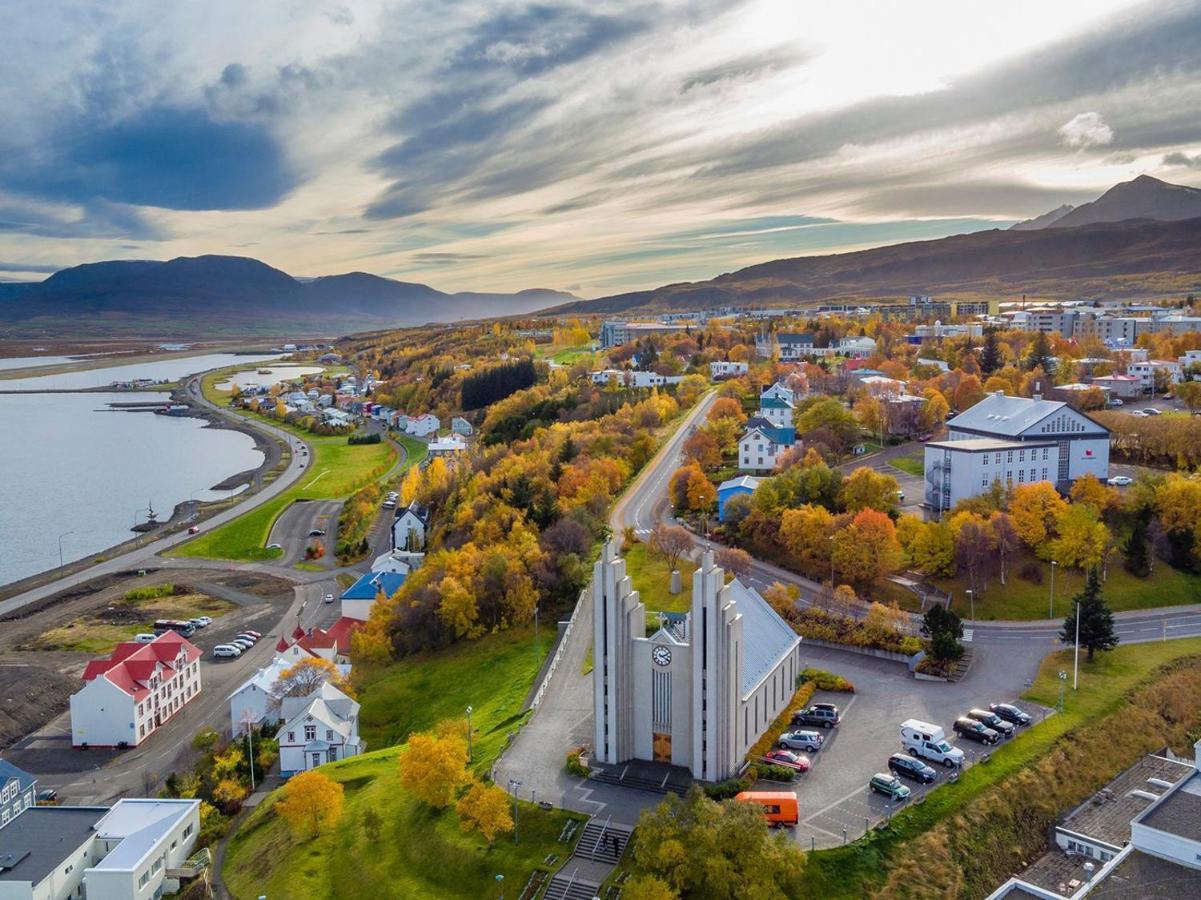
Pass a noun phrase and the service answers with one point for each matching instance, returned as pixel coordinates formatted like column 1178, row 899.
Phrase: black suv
column 908, row 767
column 1010, row 713
column 824, row 714
column 993, row 721
column 975, row 731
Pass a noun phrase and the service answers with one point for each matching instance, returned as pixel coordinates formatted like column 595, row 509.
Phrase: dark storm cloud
column 92, row 219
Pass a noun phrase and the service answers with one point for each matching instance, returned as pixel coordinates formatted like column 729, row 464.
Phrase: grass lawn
column 1022, row 599
column 421, row 852
column 565, row 356
column 854, row 870
column 336, row 470
column 910, row 465
column 652, row 579
column 97, row 633
column 491, row 675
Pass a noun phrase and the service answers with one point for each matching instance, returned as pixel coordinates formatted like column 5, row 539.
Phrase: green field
column 910, row 465
column 336, row 470
column 855, row 870
column 1022, row 599
column 421, row 853
column 652, row 579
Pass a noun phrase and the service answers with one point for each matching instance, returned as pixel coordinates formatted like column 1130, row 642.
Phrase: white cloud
column 1086, row 130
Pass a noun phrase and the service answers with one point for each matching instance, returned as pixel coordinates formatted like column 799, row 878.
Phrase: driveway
column 291, row 530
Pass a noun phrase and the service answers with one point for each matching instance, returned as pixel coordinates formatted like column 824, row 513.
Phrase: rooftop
column 766, row 637
column 8, row 770
column 1001, row 414
column 1107, row 814
column 1179, row 814
column 369, row 585
column 33, row 844
column 1149, row 878
column 139, row 825
column 980, row 445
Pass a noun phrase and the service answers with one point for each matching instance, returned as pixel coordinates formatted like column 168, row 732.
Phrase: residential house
column 1127, row 387
column 423, row 425
column 776, row 410
column 903, row 413
column 408, row 529
column 135, row 691
column 743, row 484
column 879, row 385
column 1155, row 374
column 358, row 599
column 726, row 369
column 332, row 644
column 787, row 346
column 256, row 700
column 460, row 426
column 401, row 562
column 447, row 447
column 18, row 791
column 857, row 347
column 939, row 364
column 320, row 728
column 762, row 444
column 136, row 849
column 780, row 391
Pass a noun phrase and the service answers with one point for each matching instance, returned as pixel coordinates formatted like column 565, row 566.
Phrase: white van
column 929, row 742
column 144, row 638
column 227, row 651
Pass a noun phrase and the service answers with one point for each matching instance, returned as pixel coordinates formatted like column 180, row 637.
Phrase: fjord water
column 72, row 465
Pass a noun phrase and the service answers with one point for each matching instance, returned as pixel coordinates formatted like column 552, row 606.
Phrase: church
column 700, row 691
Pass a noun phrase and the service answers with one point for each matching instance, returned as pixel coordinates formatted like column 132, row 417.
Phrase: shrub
column 574, row 765
column 770, row 772
column 825, row 681
column 800, row 699
column 725, row 790
column 823, row 626
column 151, row 592
column 1031, row 572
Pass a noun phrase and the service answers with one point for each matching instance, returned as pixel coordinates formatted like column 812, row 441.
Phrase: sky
column 594, row 146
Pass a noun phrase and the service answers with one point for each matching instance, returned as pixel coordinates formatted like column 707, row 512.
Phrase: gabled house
column 358, row 599
column 762, row 444
column 331, row 643
column 409, row 527
column 743, row 484
column 446, row 447
column 256, row 700
column 423, row 425
column 460, row 426
column 18, row 791
column 320, row 728
column 726, row 369
column 779, row 391
column 137, row 690
column 776, row 410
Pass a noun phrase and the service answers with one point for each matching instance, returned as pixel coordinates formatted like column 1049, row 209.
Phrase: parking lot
column 834, row 794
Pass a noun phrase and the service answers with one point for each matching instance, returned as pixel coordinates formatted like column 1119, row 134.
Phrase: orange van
column 780, row 807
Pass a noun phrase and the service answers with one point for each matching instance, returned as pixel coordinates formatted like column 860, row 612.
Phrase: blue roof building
column 372, row 583
column 743, row 484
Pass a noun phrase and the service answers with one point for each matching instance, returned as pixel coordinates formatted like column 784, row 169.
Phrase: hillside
column 212, row 295
column 1123, row 259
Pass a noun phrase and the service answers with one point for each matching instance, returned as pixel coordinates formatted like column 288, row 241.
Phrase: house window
column 310, row 732
column 329, row 734
column 333, row 754
column 291, row 736
column 143, row 879
column 187, row 831
column 316, row 759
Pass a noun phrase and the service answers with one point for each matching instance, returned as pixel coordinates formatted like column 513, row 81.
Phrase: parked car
column 1138, row 413
column 787, row 759
column 195, row 529
column 275, row 546
column 890, row 786
column 929, row 742
column 248, row 637
column 201, row 621
column 1116, row 401
column 254, row 634
column 1010, row 713
column 144, row 638
column 242, row 644
column 908, row 767
column 801, row 740
column 823, row 714
column 1151, row 411
column 317, row 532
column 992, row 720
column 226, row 651
column 328, row 598
column 48, row 797
column 1120, row 481
column 975, row 731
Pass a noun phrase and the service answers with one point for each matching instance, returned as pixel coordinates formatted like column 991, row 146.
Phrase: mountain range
column 1141, row 239
column 232, row 294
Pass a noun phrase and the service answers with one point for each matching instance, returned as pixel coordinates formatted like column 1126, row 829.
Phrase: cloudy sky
column 593, row 146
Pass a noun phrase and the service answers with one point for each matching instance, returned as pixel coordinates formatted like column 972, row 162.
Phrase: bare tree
column 735, row 561
column 671, row 542
column 1006, row 538
column 974, row 552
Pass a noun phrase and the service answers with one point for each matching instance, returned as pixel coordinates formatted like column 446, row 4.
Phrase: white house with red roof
column 332, row 643
column 134, row 692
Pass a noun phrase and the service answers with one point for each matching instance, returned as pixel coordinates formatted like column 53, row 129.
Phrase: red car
column 789, row 759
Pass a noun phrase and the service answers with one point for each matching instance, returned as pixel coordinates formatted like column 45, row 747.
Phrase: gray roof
column 1179, row 814
column 766, row 638
column 983, row 445
column 1007, row 416
column 1106, row 816
column 1149, row 878
column 36, row 842
column 8, row 770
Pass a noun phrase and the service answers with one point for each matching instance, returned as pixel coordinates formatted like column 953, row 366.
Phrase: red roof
column 130, row 664
column 282, row 645
column 336, row 637
column 297, row 633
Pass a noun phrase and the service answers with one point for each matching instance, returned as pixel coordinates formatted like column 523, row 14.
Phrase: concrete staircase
column 596, row 853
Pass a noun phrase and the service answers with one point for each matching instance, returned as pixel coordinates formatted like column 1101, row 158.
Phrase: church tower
column 716, row 637
column 618, row 617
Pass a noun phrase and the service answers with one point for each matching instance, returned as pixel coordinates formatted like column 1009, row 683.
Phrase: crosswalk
column 967, row 635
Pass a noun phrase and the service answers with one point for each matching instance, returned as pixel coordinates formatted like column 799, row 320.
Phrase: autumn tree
column 867, row 549
column 702, row 448
column 735, row 561
column 869, row 411
column 782, row 597
column 691, row 490
column 1034, row 510
column 1039, row 355
column 932, row 549
column 312, row 803
column 1006, row 540
column 671, row 542
column 1082, row 539
column 1189, row 393
column 485, row 808
column 866, row 488
column 410, row 485
column 968, row 393
column 433, row 767
column 308, row 674
column 974, row 549
column 935, row 410
column 1096, row 629
column 805, row 533
column 458, row 610
column 726, row 408
column 1088, row 490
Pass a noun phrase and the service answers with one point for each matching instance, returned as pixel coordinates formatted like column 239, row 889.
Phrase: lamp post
column 1051, row 602
column 513, row 786
column 469, row 754
column 831, row 566
column 971, row 596
column 60, row 546
column 1076, row 661
column 500, row 881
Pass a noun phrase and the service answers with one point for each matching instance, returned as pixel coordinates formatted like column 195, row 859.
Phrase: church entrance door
column 662, row 747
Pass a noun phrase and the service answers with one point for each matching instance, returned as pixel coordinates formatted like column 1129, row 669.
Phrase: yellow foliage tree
column 410, row 485
column 1083, row 540
column 1034, row 510
column 306, row 675
column 229, row 791
column 434, row 767
column 1089, row 491
column 312, row 803
column 805, row 533
column 485, row 808
column 458, row 610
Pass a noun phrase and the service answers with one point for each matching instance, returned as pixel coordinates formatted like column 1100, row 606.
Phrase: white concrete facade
column 958, row 470
column 320, row 728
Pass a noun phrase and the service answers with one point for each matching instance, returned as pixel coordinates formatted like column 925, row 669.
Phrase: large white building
column 137, row 850
column 698, row 692
column 1013, row 440
column 126, row 697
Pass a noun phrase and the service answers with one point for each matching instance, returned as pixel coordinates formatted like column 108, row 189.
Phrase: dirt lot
column 43, row 653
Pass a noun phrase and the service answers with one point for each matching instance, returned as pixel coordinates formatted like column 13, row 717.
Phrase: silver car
column 801, row 740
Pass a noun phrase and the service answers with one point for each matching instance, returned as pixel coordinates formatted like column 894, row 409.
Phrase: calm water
column 28, row 362
column 169, row 369
column 69, row 467
column 278, row 373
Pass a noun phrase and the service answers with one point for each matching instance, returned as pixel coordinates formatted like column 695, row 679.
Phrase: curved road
column 141, row 556
column 646, row 504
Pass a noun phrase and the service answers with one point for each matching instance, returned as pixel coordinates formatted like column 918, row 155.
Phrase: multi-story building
column 776, row 410
column 789, row 346
column 762, row 445
column 256, row 701
column 614, row 334
column 960, row 469
column 1155, row 373
column 727, row 369
column 134, row 692
column 18, row 791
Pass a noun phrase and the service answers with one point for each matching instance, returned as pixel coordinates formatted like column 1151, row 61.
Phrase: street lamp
column 60, row 546
column 971, row 596
column 513, row 786
column 500, row 880
column 1076, row 661
column 469, row 754
column 1051, row 602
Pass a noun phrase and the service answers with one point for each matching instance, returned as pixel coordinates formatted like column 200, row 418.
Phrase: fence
column 559, row 651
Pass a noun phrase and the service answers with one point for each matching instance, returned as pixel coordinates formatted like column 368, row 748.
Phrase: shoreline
column 89, row 363
column 276, row 458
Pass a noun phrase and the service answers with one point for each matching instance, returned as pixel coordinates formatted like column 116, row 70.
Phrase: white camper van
column 929, row 742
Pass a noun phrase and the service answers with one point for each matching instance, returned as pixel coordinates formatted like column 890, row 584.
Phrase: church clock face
column 661, row 655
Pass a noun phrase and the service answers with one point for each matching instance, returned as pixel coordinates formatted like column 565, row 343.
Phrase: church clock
column 661, row 655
